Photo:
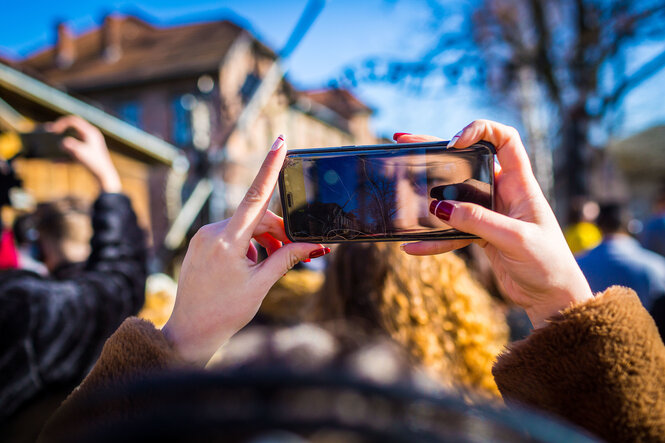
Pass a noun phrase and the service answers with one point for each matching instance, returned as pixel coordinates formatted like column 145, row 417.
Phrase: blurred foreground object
column 293, row 384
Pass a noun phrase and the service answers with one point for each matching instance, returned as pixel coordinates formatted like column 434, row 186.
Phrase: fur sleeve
column 600, row 364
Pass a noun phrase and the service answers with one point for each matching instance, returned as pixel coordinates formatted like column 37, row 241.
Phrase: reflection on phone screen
column 369, row 195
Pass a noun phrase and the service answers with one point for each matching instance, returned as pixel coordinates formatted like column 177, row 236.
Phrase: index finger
column 509, row 148
column 71, row 121
column 255, row 203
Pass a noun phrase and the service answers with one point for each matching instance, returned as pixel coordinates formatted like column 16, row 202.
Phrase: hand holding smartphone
column 43, row 143
column 381, row 192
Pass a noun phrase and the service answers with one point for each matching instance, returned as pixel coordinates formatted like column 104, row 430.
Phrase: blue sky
column 347, row 31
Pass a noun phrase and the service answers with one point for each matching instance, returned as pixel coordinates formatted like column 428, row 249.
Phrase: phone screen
column 380, row 192
column 42, row 144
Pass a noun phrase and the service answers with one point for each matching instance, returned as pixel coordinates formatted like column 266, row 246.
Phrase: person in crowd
column 444, row 318
column 620, row 260
column 582, row 233
column 653, row 235
column 63, row 235
column 595, row 361
column 8, row 252
column 52, row 328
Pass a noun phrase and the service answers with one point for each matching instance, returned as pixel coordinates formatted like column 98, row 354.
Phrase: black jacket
column 52, row 329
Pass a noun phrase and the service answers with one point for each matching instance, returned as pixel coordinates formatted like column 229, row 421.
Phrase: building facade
column 188, row 85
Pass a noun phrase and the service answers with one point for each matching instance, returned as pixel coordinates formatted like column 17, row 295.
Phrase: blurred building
column 188, row 85
column 641, row 160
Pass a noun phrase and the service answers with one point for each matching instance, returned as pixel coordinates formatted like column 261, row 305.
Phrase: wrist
column 192, row 345
column 180, row 345
column 110, row 182
column 539, row 313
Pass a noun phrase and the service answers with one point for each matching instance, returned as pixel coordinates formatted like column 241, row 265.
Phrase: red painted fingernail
column 319, row 252
column 278, row 143
column 397, row 135
column 441, row 209
column 306, row 260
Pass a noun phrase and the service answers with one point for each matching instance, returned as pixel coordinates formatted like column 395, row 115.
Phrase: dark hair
column 613, row 217
column 51, row 219
column 25, row 229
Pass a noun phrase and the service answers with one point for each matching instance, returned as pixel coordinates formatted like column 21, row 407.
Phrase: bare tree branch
column 647, row 70
column 543, row 63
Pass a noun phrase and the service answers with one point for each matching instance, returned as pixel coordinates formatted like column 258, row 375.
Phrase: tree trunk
column 575, row 170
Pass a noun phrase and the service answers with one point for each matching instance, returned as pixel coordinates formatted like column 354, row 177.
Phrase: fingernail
column 306, row 260
column 441, row 209
column 397, row 135
column 278, row 143
column 319, row 252
column 453, row 140
column 402, row 246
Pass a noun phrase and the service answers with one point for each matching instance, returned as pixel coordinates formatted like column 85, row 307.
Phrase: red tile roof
column 148, row 53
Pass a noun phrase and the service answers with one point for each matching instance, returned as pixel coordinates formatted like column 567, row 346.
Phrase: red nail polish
column 306, row 260
column 397, row 135
column 319, row 252
column 441, row 209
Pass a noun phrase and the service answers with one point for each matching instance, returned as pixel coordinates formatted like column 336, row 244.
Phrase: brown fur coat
column 599, row 365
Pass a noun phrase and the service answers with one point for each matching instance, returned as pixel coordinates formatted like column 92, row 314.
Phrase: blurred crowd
column 73, row 272
column 611, row 251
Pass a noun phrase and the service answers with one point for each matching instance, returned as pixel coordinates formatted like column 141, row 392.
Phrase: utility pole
column 210, row 186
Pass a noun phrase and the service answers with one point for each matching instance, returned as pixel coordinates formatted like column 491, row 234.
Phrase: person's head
column 430, row 305
column 64, row 231
column 613, row 218
column 24, row 229
column 582, row 210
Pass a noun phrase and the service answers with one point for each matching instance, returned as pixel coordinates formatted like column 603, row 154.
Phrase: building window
column 181, row 129
column 249, row 87
column 129, row 112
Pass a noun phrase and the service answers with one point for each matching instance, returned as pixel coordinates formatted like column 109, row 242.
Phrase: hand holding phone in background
column 522, row 238
column 89, row 148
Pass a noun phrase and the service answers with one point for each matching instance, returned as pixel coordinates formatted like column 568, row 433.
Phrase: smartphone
column 41, row 143
column 381, row 192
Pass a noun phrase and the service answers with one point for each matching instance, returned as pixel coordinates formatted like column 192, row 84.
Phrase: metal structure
column 270, row 82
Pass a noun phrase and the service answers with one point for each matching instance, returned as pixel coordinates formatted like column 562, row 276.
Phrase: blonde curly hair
column 430, row 305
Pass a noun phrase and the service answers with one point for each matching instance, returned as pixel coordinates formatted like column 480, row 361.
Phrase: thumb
column 281, row 261
column 501, row 231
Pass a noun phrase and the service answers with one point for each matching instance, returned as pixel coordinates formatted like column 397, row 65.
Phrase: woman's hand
column 221, row 286
column 522, row 238
column 89, row 149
